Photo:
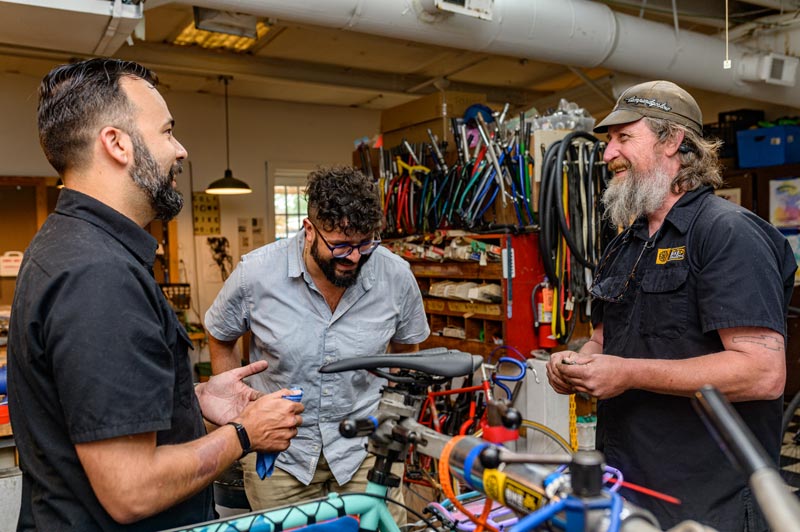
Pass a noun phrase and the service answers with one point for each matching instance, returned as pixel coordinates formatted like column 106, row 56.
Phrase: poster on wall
column 214, row 259
column 784, row 202
column 734, row 195
column 252, row 234
column 205, row 214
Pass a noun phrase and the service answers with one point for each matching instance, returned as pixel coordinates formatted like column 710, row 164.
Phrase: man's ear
column 117, row 144
column 673, row 144
column 307, row 226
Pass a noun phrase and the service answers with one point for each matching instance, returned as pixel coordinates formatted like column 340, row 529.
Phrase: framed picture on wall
column 784, row 202
column 738, row 188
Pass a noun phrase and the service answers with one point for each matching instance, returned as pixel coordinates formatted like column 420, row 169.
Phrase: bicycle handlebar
column 780, row 507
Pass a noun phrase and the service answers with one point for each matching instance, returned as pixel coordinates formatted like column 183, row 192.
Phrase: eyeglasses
column 340, row 251
column 603, row 286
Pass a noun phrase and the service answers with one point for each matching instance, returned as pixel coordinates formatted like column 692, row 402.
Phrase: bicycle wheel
column 790, row 448
column 535, row 438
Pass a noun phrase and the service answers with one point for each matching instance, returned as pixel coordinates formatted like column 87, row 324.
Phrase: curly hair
column 341, row 197
column 77, row 100
column 699, row 163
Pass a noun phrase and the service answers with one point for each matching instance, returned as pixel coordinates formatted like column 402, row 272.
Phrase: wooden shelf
column 457, row 270
column 485, row 325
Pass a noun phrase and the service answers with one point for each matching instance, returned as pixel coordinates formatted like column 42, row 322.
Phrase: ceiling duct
column 102, row 25
column 239, row 24
column 578, row 33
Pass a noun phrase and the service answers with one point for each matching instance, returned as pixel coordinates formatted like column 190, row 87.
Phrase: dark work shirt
column 712, row 265
column 95, row 352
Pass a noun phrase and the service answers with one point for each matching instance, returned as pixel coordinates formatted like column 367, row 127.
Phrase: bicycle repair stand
column 389, row 440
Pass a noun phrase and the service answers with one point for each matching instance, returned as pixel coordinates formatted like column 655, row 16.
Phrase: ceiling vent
column 238, row 24
column 775, row 69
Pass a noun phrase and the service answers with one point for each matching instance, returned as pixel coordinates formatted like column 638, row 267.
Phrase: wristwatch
column 244, row 440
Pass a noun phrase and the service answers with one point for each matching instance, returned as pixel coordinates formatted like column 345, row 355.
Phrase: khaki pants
column 282, row 488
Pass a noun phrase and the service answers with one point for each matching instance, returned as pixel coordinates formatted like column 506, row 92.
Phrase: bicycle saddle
column 436, row 361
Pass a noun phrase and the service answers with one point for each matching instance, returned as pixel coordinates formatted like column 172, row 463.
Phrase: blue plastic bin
column 768, row 146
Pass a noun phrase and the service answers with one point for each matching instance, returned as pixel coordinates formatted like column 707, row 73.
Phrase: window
column 289, row 201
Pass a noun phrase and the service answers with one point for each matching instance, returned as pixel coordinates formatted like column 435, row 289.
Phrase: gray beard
column 638, row 194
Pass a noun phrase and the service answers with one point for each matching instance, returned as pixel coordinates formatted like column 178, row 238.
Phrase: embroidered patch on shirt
column 667, row 254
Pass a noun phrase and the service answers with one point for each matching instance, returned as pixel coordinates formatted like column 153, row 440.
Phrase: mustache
column 618, row 164
column 176, row 169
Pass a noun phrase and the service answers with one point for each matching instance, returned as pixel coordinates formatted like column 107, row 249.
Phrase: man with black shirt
column 109, row 427
column 694, row 291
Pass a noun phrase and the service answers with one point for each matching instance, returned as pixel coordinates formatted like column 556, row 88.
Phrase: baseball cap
column 656, row 99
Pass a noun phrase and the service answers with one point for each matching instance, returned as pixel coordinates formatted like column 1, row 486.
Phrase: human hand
column 272, row 421
column 225, row 396
column 601, row 376
column 559, row 382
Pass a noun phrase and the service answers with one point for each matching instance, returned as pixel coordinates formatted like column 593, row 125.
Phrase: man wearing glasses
column 693, row 291
column 328, row 293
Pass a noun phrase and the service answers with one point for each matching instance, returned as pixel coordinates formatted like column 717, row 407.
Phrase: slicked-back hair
column 343, row 198
column 77, row 100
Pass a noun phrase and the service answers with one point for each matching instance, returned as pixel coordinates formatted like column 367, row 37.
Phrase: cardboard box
column 768, row 146
column 427, row 108
column 418, row 133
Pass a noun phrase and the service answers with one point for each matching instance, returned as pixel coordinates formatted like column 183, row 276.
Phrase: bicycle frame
column 373, row 514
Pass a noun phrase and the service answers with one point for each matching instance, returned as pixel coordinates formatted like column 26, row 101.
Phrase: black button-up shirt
column 95, row 352
column 711, row 265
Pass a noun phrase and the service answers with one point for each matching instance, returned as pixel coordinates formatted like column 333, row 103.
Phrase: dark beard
column 166, row 201
column 328, row 267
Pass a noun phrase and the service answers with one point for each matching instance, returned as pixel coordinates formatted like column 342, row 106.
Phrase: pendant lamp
column 228, row 185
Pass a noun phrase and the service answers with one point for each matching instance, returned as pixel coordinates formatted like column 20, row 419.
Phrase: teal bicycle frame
column 369, row 506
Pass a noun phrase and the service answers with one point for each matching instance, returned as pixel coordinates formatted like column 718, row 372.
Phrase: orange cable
column 447, row 488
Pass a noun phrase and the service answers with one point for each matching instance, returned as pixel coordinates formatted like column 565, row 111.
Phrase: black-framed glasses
column 340, row 251
column 612, row 289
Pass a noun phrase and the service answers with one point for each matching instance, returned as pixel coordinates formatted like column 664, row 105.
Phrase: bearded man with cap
column 693, row 291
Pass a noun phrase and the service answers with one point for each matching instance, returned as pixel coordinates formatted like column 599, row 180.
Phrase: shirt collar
column 134, row 238
column 681, row 214
column 297, row 265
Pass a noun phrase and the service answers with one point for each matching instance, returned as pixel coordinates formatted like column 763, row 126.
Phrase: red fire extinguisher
column 543, row 314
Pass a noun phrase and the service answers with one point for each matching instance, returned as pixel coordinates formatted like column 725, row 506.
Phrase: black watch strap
column 244, row 440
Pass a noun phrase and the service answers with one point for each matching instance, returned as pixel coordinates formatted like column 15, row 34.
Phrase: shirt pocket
column 664, row 303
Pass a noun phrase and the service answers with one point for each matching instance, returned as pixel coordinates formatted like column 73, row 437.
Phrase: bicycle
column 391, row 431
column 475, row 411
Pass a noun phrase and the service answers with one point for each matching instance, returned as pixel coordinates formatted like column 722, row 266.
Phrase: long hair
column 79, row 99
column 699, row 160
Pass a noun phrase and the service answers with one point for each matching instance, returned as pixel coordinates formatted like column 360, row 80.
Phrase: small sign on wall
column 205, row 214
column 10, row 261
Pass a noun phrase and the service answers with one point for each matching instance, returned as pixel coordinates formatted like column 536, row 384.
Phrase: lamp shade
column 228, row 185
column 60, row 183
